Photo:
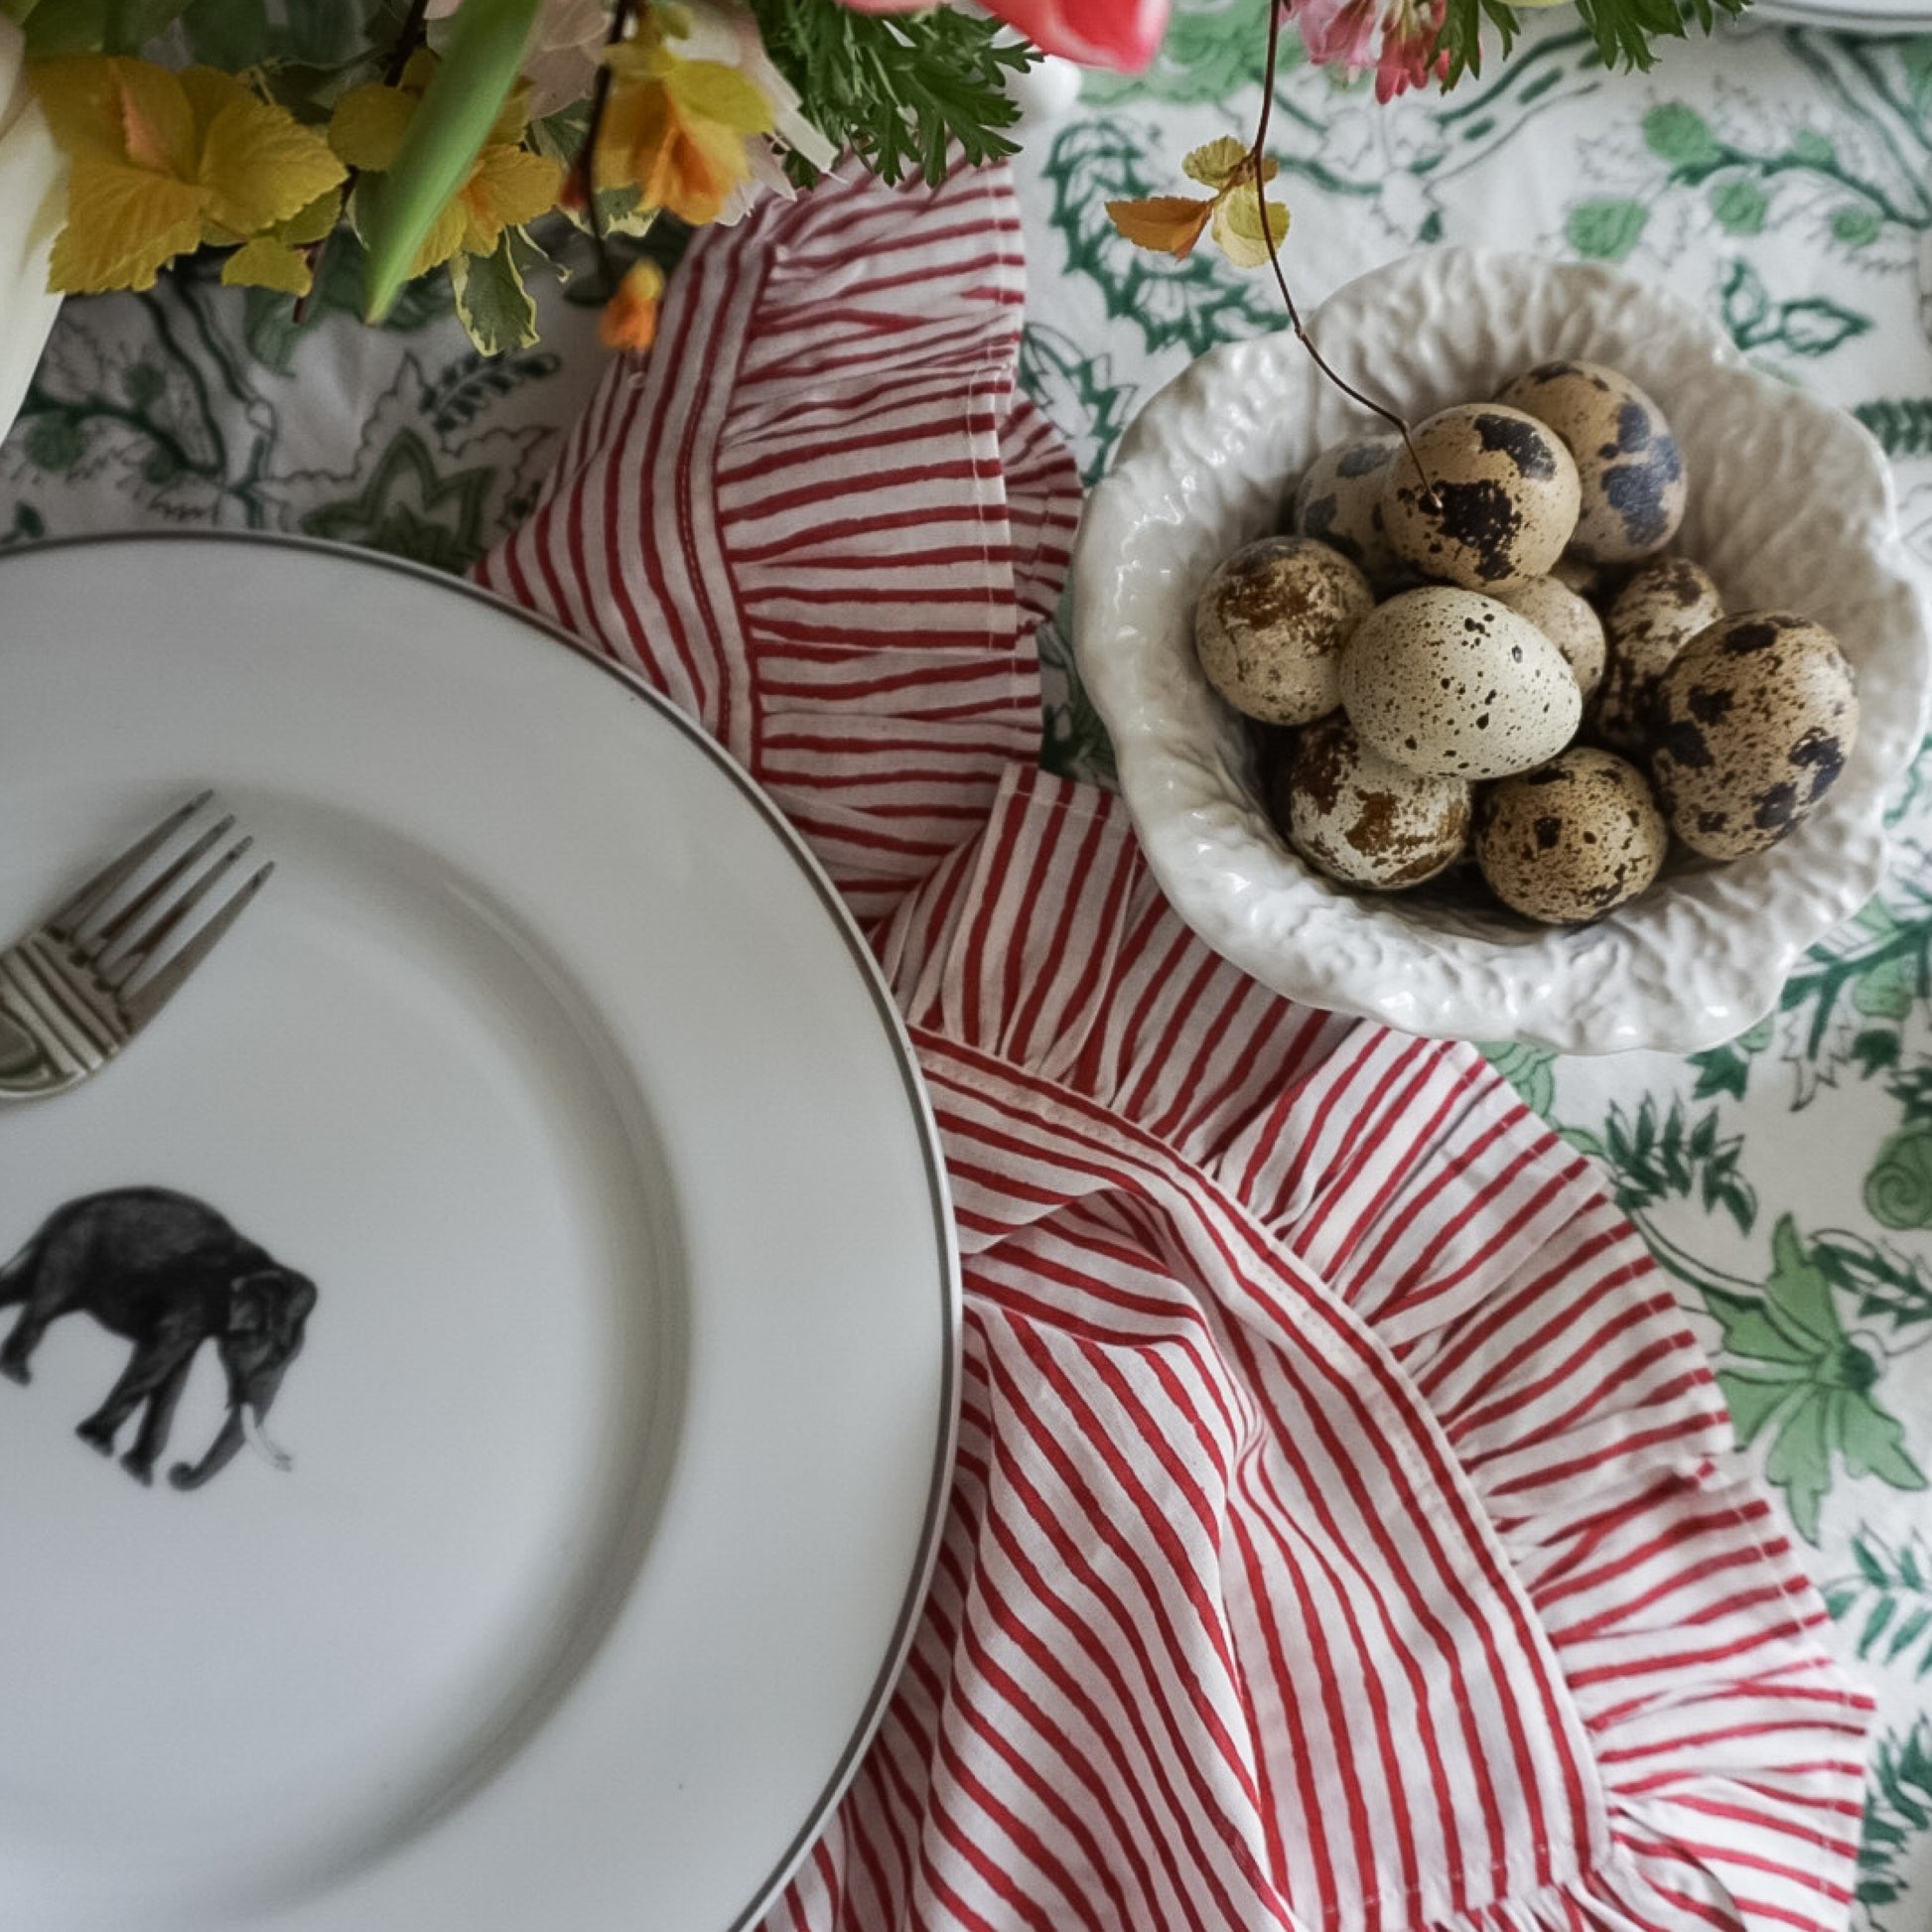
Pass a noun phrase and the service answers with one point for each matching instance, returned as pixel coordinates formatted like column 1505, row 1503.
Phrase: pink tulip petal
column 1122, row 34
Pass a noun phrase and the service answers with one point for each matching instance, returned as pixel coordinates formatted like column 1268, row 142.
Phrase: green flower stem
column 446, row 134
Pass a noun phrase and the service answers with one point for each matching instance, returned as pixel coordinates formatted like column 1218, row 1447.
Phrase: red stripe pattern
column 1345, row 1532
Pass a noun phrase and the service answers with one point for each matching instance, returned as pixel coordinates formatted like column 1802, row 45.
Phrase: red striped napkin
column 1345, row 1532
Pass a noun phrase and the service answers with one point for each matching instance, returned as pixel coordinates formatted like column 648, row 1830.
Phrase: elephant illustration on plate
column 169, row 1273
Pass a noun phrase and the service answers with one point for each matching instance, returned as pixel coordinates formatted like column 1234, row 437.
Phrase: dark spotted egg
column 1269, row 625
column 1571, row 840
column 1494, row 500
column 1362, row 820
column 1340, row 502
column 1753, row 723
column 1662, row 606
column 1627, row 461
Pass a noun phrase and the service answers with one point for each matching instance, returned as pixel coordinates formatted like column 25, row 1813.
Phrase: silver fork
column 78, row 987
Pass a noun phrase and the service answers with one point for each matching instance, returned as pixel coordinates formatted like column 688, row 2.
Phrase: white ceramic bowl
column 1791, row 507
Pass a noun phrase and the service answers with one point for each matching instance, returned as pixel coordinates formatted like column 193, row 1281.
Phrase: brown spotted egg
column 1499, row 505
column 1452, row 684
column 1566, row 620
column 1627, row 460
column 1663, row 606
column 1571, row 840
column 1340, row 502
column 1269, row 625
column 1753, row 724
column 1362, row 820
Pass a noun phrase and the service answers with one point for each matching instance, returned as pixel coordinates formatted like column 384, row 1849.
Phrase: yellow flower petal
column 368, row 124
column 709, row 91
column 261, row 166
column 157, row 122
column 123, row 223
column 1213, row 163
column 81, row 102
column 266, row 264
column 1237, row 227
column 629, row 318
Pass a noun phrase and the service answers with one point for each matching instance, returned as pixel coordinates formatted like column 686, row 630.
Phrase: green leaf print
column 1889, row 1599
column 1652, row 1159
column 1531, row 1070
column 1902, row 424
column 1857, row 226
column 1739, row 205
column 408, row 509
column 1677, row 132
column 1816, row 326
column 1727, row 1070
column 1195, row 304
column 1899, row 1189
column 1897, row 1812
column 1801, row 1379
column 1606, row 231
column 1078, row 395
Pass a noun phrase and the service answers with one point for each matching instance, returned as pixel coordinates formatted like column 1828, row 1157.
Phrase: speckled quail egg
column 1627, row 460
column 1753, row 724
column 1448, row 682
column 1340, row 502
column 1502, row 505
column 1571, row 840
column 1566, row 620
column 1591, row 582
column 1271, row 622
column 1362, row 820
column 1663, row 606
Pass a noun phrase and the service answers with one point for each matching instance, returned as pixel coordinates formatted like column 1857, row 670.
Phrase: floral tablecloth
column 1782, row 178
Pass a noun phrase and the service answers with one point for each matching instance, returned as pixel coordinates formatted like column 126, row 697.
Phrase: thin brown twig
column 586, row 154
column 1258, row 158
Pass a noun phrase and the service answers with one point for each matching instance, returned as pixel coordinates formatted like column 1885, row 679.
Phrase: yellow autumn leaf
column 123, row 223
column 316, row 222
column 709, row 91
column 81, row 102
column 1168, row 223
column 1213, row 163
column 266, row 264
column 368, row 124
column 260, row 166
column 444, row 237
column 208, row 90
column 157, row 119
column 1237, row 227
column 508, row 186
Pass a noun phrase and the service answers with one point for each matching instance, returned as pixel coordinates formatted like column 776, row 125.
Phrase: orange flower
column 629, row 319
column 678, row 130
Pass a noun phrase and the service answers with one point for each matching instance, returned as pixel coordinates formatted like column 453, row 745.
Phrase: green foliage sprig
column 1626, row 31
column 900, row 87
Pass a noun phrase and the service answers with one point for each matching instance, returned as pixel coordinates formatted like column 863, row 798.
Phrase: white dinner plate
column 627, row 1401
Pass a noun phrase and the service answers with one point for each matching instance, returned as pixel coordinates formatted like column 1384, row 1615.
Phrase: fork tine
column 152, row 995
column 95, row 943
column 87, row 898
column 133, row 953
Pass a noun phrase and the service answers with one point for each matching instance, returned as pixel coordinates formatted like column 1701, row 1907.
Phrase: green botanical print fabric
column 1780, row 179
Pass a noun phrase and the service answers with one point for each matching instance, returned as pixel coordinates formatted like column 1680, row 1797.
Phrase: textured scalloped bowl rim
column 1810, row 520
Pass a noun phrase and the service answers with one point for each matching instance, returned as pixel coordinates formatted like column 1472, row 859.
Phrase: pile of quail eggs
column 1497, row 657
